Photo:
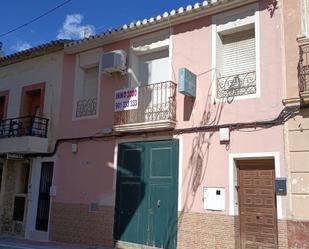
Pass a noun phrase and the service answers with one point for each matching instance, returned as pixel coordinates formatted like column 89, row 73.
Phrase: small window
column 236, row 64
column 86, row 102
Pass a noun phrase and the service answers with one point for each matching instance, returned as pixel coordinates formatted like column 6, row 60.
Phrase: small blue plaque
column 280, row 186
column 187, row 82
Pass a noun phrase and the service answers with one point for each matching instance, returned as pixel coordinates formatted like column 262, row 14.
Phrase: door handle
column 158, row 203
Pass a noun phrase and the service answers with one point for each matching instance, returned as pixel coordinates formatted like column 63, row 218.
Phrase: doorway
column 42, row 218
column 257, row 203
column 147, row 193
column 32, row 104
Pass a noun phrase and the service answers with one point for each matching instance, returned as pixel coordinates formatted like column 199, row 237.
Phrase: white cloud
column 20, row 46
column 72, row 28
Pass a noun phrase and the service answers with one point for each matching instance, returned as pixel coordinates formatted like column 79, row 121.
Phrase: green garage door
column 147, row 187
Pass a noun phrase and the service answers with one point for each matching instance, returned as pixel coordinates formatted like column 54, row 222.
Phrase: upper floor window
column 149, row 59
column 235, row 49
column 305, row 17
column 154, row 67
column 86, row 84
column 236, row 64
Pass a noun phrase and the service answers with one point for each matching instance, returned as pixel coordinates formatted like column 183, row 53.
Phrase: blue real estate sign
column 187, row 82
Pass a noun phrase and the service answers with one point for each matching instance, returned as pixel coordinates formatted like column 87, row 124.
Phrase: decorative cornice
column 291, row 101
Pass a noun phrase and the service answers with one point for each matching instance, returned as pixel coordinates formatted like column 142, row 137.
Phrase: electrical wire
column 284, row 115
column 35, row 19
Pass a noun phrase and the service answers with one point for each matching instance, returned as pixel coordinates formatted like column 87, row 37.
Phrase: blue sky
column 69, row 21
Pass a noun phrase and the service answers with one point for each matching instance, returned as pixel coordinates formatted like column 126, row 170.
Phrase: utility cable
column 35, row 19
column 284, row 116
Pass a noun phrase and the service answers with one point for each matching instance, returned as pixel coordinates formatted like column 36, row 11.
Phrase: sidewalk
column 12, row 242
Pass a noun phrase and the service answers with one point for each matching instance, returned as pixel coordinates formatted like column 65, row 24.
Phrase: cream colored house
column 296, row 74
column 30, row 85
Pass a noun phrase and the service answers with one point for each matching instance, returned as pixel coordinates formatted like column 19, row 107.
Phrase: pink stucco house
column 175, row 132
column 169, row 166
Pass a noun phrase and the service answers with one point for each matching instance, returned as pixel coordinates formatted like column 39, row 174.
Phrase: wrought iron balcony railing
column 236, row 85
column 86, row 107
column 156, row 102
column 24, row 126
column 303, row 68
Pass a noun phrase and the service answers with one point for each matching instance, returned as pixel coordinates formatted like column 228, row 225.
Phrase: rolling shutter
column 237, row 54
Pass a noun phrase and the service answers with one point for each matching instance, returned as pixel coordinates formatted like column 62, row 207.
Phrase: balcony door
column 32, row 103
column 4, row 96
column 154, row 91
column 2, row 103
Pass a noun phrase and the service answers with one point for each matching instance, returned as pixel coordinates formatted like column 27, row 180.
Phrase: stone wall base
column 74, row 223
column 216, row 231
column 207, row 230
column 298, row 234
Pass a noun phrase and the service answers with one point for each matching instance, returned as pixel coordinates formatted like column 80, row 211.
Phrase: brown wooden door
column 257, row 204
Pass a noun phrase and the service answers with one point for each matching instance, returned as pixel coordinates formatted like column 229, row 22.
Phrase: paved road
column 7, row 246
column 51, row 246
column 9, row 242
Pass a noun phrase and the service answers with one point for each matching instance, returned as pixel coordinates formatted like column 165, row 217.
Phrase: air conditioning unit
column 114, row 61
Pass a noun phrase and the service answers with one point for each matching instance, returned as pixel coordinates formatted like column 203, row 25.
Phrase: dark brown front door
column 257, row 204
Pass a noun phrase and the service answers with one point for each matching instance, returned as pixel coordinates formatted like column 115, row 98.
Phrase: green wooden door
column 147, row 187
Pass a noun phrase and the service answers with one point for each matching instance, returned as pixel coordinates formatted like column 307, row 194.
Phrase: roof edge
column 165, row 20
column 30, row 53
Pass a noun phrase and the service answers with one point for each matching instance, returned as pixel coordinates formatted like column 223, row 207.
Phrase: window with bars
column 236, row 63
column 86, row 103
column 87, row 76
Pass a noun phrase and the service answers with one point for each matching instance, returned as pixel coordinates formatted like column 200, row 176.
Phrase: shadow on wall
column 200, row 148
column 201, row 144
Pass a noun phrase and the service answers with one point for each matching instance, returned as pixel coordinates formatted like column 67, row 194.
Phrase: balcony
column 303, row 72
column 156, row 109
column 24, row 135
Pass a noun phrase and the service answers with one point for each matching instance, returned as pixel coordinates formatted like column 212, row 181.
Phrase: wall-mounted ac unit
column 114, row 61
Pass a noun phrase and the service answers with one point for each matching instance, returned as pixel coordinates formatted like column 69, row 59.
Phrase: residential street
column 8, row 242
column 154, row 124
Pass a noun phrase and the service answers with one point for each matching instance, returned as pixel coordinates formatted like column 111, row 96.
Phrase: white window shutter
column 91, row 77
column 237, row 55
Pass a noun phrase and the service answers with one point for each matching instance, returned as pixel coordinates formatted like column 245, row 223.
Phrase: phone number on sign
column 126, row 104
